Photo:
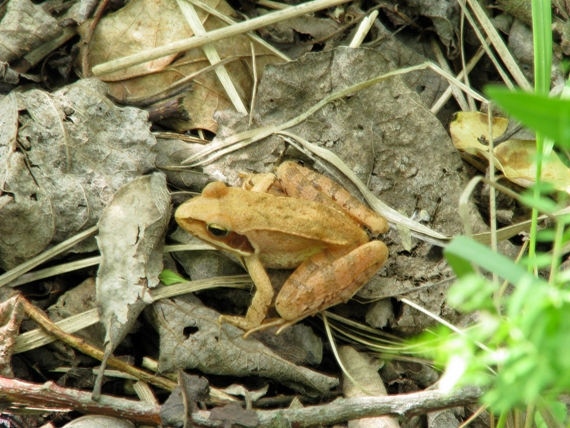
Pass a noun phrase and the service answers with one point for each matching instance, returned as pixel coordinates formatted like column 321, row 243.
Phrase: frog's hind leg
column 302, row 183
column 328, row 278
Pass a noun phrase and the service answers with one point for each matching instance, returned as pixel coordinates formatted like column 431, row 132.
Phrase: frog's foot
column 274, row 322
column 267, row 324
column 246, row 325
column 240, row 322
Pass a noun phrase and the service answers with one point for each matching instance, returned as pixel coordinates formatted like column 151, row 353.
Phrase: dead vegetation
column 112, row 118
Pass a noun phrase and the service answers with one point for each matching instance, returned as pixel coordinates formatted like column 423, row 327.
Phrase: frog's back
column 298, row 217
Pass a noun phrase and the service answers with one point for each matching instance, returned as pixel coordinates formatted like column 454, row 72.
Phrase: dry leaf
column 192, row 338
column 364, row 370
column 515, row 158
column 11, row 313
column 444, row 16
column 182, row 401
column 131, row 238
column 146, row 24
column 25, row 26
column 233, row 414
column 140, row 25
column 65, row 155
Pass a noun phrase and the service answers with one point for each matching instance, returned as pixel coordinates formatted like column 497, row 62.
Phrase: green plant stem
column 502, row 419
column 542, row 38
column 530, row 409
column 556, row 252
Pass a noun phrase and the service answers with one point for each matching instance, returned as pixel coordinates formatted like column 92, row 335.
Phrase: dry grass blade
column 35, row 338
column 374, row 339
column 447, row 94
column 442, row 61
column 442, row 321
column 91, row 261
column 213, row 36
column 337, row 356
column 230, row 21
column 39, row 337
column 55, row 270
column 244, row 139
column 12, row 274
column 498, row 44
column 363, row 29
column 419, row 230
column 192, row 17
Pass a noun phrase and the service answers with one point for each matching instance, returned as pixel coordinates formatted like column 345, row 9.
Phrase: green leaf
column 472, row 292
column 168, row 277
column 463, row 250
column 461, row 266
column 546, row 235
column 540, row 260
column 544, row 205
column 549, row 116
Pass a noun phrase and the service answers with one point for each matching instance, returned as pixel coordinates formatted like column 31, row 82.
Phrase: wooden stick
column 50, row 395
column 36, row 315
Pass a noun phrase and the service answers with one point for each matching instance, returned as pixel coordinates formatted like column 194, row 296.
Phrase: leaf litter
column 65, row 157
column 64, row 167
column 142, row 25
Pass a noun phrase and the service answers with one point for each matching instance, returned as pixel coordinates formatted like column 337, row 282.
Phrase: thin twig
column 50, row 395
column 36, row 315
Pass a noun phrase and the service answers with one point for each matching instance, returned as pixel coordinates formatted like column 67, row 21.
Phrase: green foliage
column 168, row 277
column 526, row 334
column 549, row 116
column 520, row 348
column 558, row 411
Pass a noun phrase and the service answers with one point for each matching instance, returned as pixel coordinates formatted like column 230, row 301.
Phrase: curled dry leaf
column 364, row 370
column 11, row 313
column 146, row 24
column 192, row 338
column 131, row 239
column 287, row 35
column 183, row 400
column 515, row 158
column 64, row 155
column 444, row 16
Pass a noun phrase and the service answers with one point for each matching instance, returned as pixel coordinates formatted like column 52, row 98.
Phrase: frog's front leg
column 261, row 300
column 328, row 278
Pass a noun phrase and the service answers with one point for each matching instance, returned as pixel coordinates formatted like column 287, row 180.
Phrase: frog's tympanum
column 314, row 226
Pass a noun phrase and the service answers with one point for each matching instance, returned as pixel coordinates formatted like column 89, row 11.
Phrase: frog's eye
column 217, row 230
